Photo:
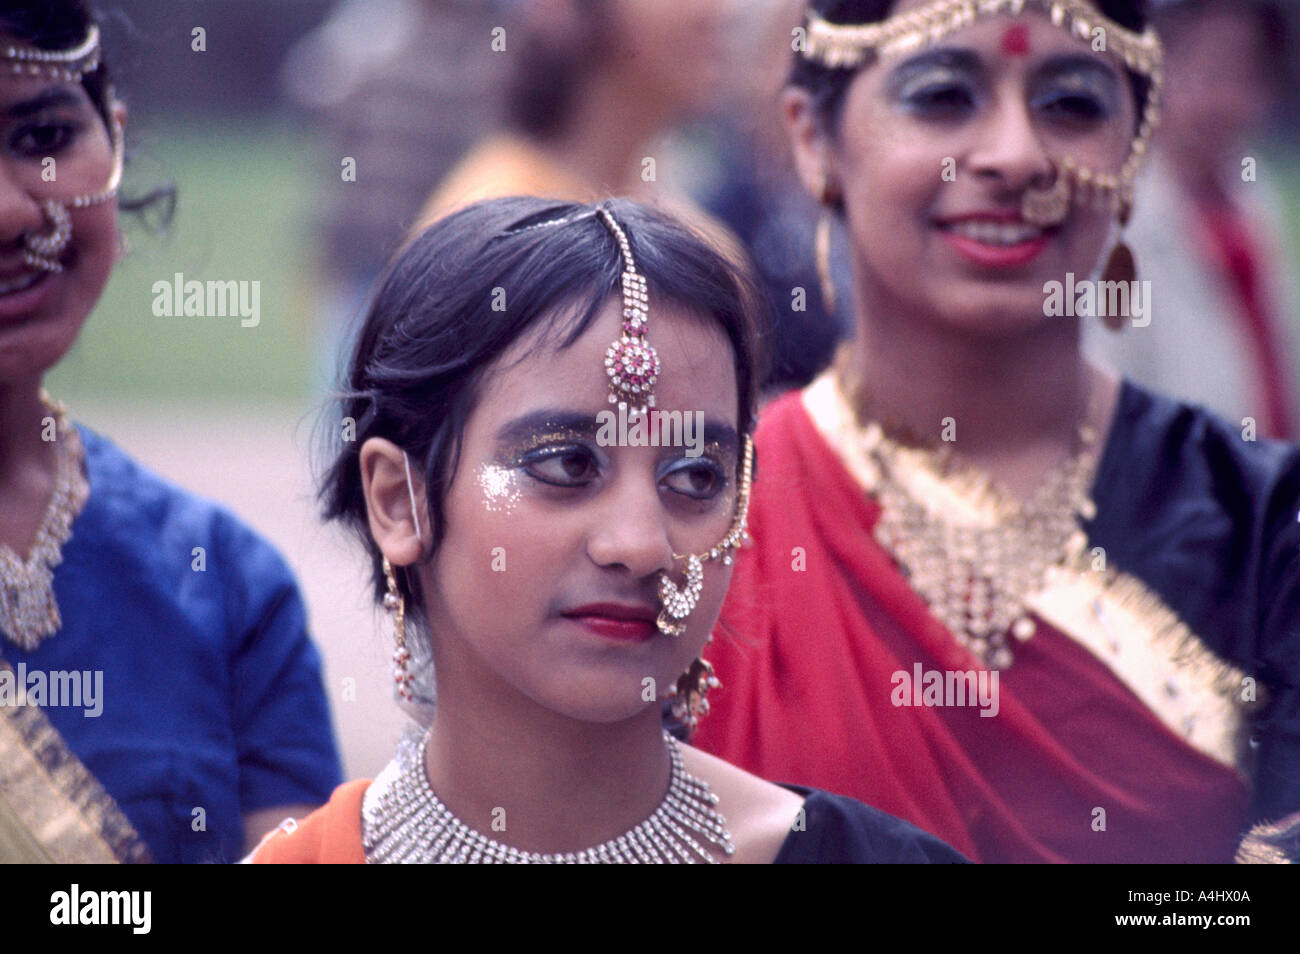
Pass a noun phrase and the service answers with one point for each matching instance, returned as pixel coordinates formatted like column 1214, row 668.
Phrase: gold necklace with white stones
column 976, row 575
column 28, row 611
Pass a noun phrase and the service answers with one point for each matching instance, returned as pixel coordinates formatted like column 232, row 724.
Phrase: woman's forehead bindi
column 1015, row 41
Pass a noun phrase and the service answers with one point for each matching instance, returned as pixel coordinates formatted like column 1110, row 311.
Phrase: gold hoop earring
column 396, row 604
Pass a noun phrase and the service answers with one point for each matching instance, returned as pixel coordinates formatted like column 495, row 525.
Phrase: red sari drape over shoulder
column 817, row 626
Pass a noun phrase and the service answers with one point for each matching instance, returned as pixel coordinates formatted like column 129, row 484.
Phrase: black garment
column 844, row 831
column 1208, row 520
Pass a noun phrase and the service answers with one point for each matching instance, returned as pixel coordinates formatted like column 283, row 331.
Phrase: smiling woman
column 211, row 710
column 964, row 493
column 561, row 584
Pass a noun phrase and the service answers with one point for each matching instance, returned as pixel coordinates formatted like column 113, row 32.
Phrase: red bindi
column 1015, row 42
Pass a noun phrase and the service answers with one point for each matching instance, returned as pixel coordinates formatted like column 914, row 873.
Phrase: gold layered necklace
column 29, row 612
column 967, row 547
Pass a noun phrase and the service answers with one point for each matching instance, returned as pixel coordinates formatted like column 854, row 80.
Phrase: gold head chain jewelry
column 851, row 45
column 632, row 367
column 43, row 249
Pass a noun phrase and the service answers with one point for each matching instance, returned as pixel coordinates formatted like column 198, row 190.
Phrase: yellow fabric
column 504, row 165
column 17, row 846
column 52, row 808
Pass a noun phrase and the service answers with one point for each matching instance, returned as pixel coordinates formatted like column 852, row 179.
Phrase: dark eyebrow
column 49, row 99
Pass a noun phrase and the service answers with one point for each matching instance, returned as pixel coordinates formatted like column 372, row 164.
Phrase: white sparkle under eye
column 500, row 488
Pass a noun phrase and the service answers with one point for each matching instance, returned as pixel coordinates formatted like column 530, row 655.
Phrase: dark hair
column 827, row 86
column 60, row 25
column 548, row 70
column 432, row 331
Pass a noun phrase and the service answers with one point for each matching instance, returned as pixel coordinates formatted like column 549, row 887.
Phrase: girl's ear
column 393, row 524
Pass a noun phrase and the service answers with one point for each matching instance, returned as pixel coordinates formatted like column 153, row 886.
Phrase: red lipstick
column 622, row 622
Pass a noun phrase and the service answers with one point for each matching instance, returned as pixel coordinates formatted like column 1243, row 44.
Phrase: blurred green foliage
column 242, row 214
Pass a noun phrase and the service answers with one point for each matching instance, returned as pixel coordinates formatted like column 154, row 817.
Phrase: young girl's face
column 53, row 146
column 545, row 586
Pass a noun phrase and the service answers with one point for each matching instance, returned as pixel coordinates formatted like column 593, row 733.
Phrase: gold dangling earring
column 824, row 262
column 822, row 248
column 394, row 603
column 690, row 696
column 1121, row 266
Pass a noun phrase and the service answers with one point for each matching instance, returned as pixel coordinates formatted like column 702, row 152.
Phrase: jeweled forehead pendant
column 630, row 362
column 849, row 45
column 43, row 249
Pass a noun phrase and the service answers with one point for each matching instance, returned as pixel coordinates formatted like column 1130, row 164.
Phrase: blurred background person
column 592, row 89
column 748, row 182
column 1209, row 228
column 399, row 89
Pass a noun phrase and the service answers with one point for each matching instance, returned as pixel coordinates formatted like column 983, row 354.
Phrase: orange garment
column 331, row 835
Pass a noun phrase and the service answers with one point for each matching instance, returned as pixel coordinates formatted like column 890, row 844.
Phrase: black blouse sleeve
column 840, row 830
column 1211, row 522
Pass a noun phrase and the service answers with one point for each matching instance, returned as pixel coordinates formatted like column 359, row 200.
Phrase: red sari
column 818, row 625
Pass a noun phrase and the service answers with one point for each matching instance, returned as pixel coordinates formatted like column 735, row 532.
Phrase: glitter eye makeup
column 1077, row 90
column 940, row 81
column 539, row 448
column 535, row 450
column 556, row 461
column 500, row 486
column 713, row 460
column 553, row 437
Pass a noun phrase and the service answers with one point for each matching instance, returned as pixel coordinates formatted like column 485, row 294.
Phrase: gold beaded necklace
column 974, row 571
column 29, row 612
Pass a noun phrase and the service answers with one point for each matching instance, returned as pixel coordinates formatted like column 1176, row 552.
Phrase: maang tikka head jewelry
column 849, row 45
column 632, row 367
column 630, row 362
column 43, row 249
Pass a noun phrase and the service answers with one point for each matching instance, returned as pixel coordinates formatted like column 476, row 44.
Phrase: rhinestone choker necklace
column 404, row 822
